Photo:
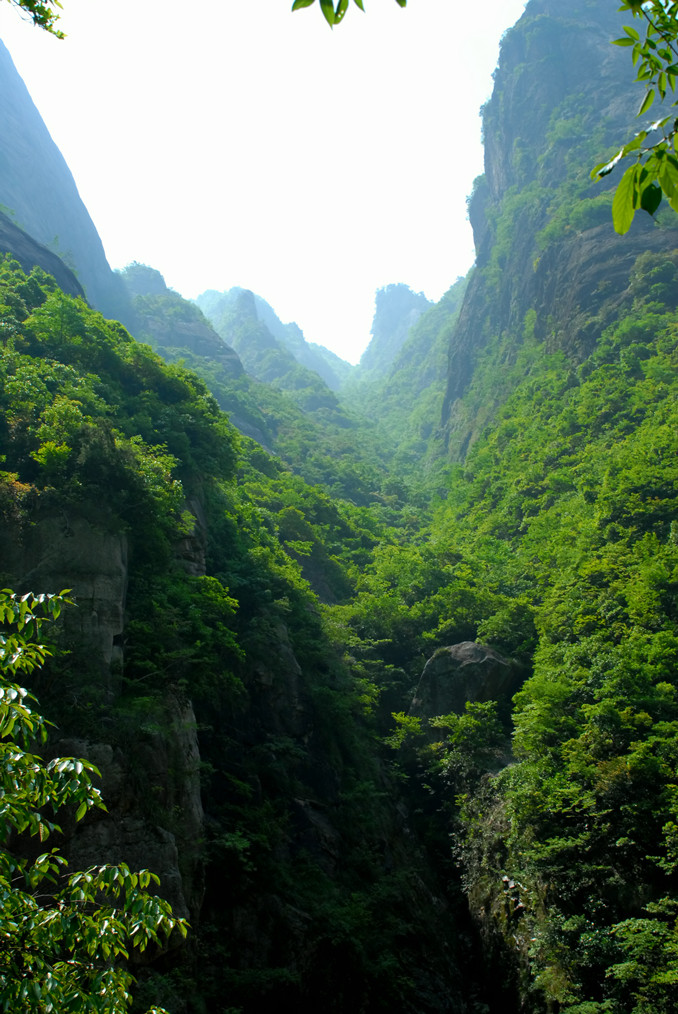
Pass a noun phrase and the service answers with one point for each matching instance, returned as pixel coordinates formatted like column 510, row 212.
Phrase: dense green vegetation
column 289, row 572
column 564, row 519
column 62, row 933
column 224, row 543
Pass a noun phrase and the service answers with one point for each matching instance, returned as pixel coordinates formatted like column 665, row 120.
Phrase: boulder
column 464, row 672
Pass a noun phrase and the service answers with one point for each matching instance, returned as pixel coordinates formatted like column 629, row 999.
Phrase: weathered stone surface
column 464, row 672
column 576, row 280
column 157, row 781
column 65, row 550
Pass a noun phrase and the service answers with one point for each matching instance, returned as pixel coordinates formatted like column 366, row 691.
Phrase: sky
column 234, row 142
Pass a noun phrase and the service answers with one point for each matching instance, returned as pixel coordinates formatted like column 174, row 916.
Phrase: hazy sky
column 232, row 142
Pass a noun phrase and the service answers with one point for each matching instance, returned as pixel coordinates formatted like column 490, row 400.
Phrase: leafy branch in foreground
column 334, row 10
column 61, row 935
column 654, row 172
column 42, row 14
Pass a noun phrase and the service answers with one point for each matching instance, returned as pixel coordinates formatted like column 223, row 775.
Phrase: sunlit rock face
column 39, row 193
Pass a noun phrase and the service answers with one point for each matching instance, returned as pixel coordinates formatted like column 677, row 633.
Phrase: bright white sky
column 231, row 142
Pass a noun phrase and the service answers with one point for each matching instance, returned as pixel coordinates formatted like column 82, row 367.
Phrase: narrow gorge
column 377, row 663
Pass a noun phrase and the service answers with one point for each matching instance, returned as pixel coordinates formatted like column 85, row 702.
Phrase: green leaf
column 651, row 198
column 647, row 102
column 623, row 42
column 342, row 7
column 604, row 168
column 359, row 3
column 623, row 203
column 298, row 4
column 327, row 7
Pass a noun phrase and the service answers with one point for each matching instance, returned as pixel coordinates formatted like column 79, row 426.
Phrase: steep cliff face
column 38, row 191
column 397, row 309
column 549, row 264
column 63, row 549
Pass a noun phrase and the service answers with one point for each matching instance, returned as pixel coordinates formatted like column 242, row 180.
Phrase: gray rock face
column 67, row 551
column 464, row 672
column 541, row 130
column 131, row 830
column 161, row 832
column 30, row 254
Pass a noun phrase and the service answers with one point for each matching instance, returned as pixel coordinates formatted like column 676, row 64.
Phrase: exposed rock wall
column 30, row 254
column 464, row 672
column 64, row 550
column 55, row 551
column 562, row 96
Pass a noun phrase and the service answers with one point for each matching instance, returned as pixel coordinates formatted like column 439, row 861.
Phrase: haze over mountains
column 379, row 667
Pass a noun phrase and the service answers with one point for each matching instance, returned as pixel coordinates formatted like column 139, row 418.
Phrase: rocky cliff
column 29, row 254
column 39, row 193
column 549, row 264
column 397, row 309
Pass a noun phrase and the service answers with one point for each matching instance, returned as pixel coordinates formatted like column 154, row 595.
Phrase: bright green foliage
column 88, row 415
column 654, row 172
column 63, row 934
column 334, row 11
column 578, row 480
column 42, row 14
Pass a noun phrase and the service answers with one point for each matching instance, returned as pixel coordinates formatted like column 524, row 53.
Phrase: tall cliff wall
column 548, row 261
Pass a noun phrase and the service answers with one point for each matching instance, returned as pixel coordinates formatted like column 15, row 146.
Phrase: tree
column 42, row 14
column 62, row 935
column 653, row 173
column 45, row 16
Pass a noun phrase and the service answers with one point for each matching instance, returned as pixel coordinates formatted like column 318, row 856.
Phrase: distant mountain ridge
column 219, row 307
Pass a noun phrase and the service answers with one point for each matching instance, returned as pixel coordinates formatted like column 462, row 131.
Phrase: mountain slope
column 226, row 309
column 38, row 192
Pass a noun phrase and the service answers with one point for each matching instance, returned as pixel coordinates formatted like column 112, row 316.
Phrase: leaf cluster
column 654, row 174
column 64, row 935
column 334, row 10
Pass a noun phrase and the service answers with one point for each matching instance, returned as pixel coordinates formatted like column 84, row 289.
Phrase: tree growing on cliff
column 62, row 935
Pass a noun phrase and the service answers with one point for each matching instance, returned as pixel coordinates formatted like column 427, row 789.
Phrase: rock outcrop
column 30, row 254
column 397, row 309
column 464, row 672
